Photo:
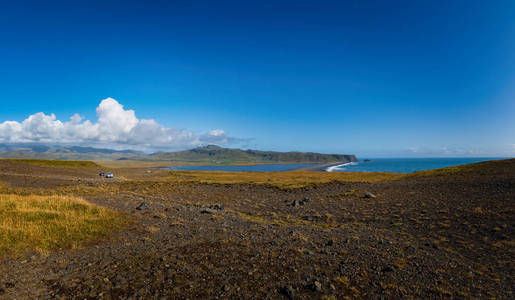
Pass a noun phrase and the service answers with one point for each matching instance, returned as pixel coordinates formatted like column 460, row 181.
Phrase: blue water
column 252, row 168
column 397, row 165
column 405, row 165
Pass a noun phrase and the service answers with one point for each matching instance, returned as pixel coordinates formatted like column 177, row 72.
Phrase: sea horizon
column 406, row 164
column 395, row 165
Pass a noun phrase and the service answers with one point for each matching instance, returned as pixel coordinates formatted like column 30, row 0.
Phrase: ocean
column 404, row 165
column 396, row 165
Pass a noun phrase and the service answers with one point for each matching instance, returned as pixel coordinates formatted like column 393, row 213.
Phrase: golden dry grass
column 46, row 222
column 286, row 180
column 56, row 163
column 132, row 164
column 443, row 171
column 160, row 163
column 484, row 166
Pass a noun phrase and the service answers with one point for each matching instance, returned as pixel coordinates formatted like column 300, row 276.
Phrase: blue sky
column 376, row 78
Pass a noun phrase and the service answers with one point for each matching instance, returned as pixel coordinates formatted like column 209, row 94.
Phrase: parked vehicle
column 109, row 175
column 102, row 174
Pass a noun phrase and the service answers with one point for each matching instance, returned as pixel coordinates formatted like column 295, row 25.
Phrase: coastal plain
column 446, row 233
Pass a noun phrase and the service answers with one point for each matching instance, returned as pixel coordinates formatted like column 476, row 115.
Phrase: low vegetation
column 483, row 167
column 56, row 163
column 46, row 222
column 284, row 180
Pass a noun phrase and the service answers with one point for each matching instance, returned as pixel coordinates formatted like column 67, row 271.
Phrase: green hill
column 213, row 153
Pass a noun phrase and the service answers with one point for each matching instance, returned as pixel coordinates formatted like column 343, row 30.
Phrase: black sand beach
column 320, row 167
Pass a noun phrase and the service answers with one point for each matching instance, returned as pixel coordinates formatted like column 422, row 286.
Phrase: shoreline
column 322, row 167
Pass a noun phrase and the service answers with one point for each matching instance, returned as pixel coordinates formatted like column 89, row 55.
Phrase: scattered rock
column 216, row 207
column 9, row 285
column 369, row 195
column 301, row 202
column 316, row 286
column 142, row 206
column 208, row 211
column 388, row 269
column 287, row 291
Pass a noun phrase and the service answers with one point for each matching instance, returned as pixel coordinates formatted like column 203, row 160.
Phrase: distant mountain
column 208, row 154
column 213, row 153
column 64, row 153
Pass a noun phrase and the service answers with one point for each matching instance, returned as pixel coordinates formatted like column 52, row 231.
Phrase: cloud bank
column 116, row 127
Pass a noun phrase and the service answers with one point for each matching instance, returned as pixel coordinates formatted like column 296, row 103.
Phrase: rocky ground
column 448, row 235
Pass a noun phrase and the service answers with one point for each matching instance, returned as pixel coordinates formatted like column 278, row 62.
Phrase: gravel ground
column 445, row 236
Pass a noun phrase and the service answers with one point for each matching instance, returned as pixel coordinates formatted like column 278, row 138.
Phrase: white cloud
column 116, row 127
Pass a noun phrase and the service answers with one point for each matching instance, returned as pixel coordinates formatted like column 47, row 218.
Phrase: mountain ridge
column 39, row 151
column 216, row 153
column 208, row 154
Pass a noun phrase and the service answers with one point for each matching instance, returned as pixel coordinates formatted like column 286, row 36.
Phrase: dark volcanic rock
column 300, row 202
column 287, row 291
column 388, row 269
column 216, row 207
column 142, row 206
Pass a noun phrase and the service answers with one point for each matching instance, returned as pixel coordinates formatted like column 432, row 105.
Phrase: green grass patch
column 42, row 223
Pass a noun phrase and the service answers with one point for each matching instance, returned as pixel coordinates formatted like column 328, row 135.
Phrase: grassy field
column 164, row 163
column 283, row 180
column 53, row 216
column 45, row 222
column 56, row 163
